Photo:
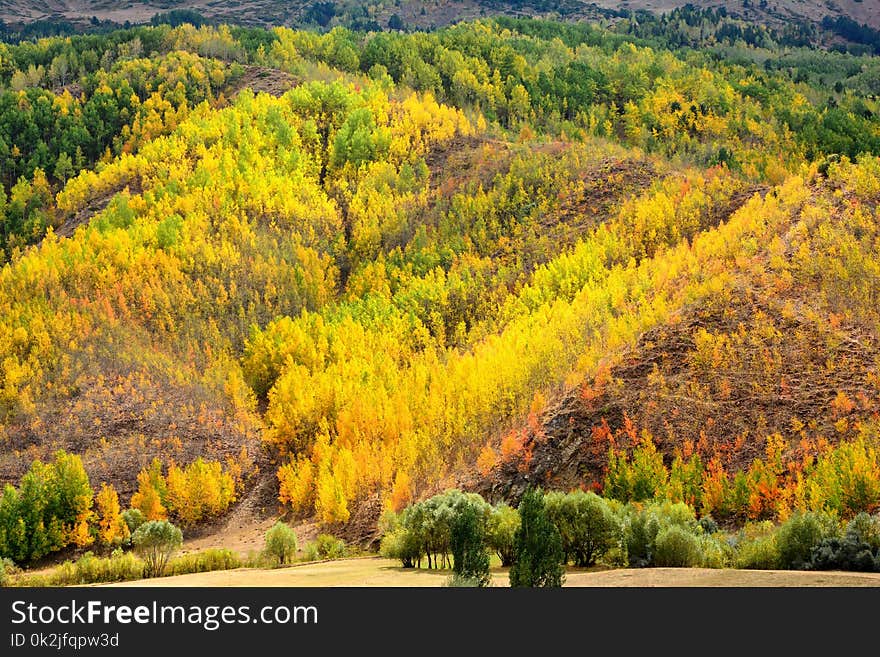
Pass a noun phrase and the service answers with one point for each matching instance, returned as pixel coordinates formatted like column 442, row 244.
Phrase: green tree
column 50, row 509
column 71, row 493
column 281, row 543
column 358, row 140
column 470, row 559
column 644, row 524
column 63, row 167
column 501, row 532
column 395, row 23
column 325, row 106
column 539, row 554
column 134, row 518
column 588, row 527
column 155, row 541
column 398, row 542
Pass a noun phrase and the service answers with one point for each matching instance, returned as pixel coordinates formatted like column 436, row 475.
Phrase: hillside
column 416, row 14
column 335, row 273
column 783, row 355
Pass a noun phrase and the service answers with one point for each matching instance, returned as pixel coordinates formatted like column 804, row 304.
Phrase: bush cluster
column 325, row 546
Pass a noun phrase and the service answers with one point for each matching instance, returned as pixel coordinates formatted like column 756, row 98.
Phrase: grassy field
column 374, row 571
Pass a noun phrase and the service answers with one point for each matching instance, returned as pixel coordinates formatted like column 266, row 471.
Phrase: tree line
column 551, row 531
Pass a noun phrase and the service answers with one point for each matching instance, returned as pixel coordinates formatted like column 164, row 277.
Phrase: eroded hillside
column 783, row 358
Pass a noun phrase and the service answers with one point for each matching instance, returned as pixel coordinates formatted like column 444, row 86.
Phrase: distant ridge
column 418, row 14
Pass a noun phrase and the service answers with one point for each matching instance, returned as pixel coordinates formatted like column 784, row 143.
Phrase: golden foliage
column 112, row 528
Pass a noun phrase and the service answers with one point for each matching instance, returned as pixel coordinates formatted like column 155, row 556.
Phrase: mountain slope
column 785, row 357
column 418, row 14
column 482, row 256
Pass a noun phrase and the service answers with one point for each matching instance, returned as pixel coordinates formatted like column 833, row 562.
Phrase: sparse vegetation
column 204, row 561
column 123, row 566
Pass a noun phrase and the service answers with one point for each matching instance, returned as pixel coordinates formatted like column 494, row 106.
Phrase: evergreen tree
column 539, row 555
column 468, row 542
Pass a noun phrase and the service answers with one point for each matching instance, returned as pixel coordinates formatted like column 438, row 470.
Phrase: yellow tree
column 150, row 493
column 112, row 529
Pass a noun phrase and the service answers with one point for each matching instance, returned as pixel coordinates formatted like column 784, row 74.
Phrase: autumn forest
column 340, row 272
